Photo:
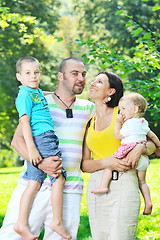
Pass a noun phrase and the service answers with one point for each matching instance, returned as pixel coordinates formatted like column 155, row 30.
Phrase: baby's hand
column 119, row 118
column 157, row 152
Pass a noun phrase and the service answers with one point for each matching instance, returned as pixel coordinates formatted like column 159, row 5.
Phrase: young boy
column 38, row 132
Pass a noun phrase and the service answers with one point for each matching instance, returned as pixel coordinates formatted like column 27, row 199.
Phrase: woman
column 112, row 216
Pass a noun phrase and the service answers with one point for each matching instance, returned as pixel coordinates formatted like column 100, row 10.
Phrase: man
column 70, row 116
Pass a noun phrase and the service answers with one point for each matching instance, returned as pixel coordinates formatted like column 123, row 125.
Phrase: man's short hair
column 63, row 63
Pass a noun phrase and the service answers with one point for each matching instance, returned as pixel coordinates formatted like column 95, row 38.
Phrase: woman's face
column 99, row 88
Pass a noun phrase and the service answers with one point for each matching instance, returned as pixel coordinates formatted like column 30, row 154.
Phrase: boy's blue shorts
column 47, row 145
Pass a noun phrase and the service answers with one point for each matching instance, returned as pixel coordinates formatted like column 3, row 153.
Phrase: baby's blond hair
column 137, row 100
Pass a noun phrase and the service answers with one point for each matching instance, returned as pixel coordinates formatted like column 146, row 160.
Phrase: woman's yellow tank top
column 103, row 143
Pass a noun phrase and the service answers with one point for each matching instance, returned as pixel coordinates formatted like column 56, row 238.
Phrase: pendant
column 69, row 113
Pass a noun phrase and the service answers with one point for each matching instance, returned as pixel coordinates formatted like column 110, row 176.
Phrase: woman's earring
column 109, row 99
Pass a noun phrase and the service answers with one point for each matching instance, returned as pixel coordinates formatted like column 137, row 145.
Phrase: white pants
column 41, row 214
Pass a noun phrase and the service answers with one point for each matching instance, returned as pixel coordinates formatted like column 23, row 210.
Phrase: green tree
column 24, row 26
column 138, row 65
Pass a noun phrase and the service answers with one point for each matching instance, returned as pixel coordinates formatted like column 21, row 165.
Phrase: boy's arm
column 118, row 126
column 50, row 165
column 156, row 141
column 34, row 156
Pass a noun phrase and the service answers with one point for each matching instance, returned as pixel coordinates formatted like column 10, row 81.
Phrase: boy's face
column 30, row 75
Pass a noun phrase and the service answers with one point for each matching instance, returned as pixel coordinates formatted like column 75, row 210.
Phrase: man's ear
column 60, row 76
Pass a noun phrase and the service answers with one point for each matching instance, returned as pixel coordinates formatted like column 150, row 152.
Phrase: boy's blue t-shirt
column 33, row 103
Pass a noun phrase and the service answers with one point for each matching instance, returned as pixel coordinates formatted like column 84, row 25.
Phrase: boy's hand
column 157, row 152
column 34, row 156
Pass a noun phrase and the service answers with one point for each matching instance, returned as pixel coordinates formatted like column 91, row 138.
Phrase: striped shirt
column 70, row 132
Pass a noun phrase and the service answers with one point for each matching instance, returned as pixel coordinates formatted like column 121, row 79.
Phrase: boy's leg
column 57, row 206
column 106, row 178
column 71, row 216
column 36, row 217
column 145, row 192
column 21, row 226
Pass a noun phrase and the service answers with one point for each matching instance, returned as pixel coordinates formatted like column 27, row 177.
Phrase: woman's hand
column 134, row 155
column 113, row 163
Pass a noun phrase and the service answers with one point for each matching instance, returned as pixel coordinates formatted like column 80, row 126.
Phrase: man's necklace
column 69, row 112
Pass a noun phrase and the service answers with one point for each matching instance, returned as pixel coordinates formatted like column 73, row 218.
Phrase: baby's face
column 127, row 109
column 30, row 75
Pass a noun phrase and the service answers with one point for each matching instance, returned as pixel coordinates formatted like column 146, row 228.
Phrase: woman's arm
column 133, row 156
column 88, row 165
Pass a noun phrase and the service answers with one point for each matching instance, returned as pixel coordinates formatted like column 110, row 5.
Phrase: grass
column 148, row 227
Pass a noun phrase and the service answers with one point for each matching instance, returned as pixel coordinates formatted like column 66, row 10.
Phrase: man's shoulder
column 84, row 102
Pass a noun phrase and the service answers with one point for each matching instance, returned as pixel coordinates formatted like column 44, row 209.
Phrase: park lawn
column 148, row 227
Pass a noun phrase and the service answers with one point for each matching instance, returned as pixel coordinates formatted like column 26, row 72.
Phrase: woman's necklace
column 69, row 112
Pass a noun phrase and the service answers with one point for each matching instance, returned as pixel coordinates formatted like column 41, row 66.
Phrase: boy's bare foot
column 147, row 209
column 100, row 190
column 61, row 230
column 24, row 232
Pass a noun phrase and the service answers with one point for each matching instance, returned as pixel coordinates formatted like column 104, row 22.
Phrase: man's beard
column 78, row 90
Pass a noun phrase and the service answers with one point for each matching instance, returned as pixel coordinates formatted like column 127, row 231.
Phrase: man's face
column 74, row 77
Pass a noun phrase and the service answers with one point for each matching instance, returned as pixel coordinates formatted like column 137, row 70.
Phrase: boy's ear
column 18, row 76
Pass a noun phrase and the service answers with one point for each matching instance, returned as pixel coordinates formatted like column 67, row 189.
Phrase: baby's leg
column 21, row 226
column 106, row 178
column 145, row 192
column 57, row 205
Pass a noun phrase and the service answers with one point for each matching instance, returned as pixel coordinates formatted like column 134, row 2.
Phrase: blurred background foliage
column 119, row 36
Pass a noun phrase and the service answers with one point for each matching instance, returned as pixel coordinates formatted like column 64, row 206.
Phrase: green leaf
column 130, row 23
column 155, row 8
column 147, row 35
column 119, row 12
column 92, row 61
column 86, row 59
column 137, row 31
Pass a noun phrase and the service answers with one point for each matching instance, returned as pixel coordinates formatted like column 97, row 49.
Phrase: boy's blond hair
column 137, row 100
column 25, row 59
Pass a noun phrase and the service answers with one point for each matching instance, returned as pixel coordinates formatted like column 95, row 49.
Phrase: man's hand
column 51, row 165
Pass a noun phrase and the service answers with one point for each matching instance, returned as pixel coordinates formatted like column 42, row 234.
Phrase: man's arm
column 48, row 165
